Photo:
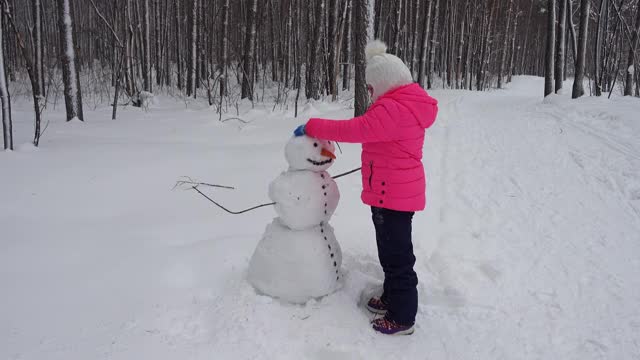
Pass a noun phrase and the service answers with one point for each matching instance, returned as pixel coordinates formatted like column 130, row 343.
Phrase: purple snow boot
column 377, row 306
column 390, row 327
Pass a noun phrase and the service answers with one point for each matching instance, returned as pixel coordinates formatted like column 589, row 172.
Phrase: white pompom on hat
column 384, row 71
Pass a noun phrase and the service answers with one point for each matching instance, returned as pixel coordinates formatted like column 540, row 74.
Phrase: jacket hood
column 416, row 100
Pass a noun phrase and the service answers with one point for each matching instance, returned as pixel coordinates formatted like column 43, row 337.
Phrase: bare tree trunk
column 38, row 69
column 578, row 82
column 346, row 72
column 335, row 71
column 572, row 30
column 224, row 48
column 468, row 77
column 522, row 69
column 146, row 63
column 513, row 48
column 7, row 131
column 193, row 52
column 600, row 33
column 37, row 40
column 158, row 35
column 398, row 28
column 314, row 56
column 560, row 45
column 178, row 40
column 248, row 61
column 72, row 92
column 361, row 21
column 433, row 43
column 628, row 88
column 549, row 54
column 505, row 42
column 415, row 37
column 425, row 42
column 371, row 13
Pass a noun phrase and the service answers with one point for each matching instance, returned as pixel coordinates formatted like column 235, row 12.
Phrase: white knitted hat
column 384, row 71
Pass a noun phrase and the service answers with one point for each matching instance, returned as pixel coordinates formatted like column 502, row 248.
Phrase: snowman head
column 306, row 153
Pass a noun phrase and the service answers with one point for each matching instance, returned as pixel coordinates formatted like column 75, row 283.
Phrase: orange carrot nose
column 327, row 153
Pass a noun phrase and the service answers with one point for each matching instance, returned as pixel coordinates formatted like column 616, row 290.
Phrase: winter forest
column 160, row 197
column 224, row 51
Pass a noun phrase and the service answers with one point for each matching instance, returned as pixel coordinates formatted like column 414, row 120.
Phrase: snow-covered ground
column 529, row 248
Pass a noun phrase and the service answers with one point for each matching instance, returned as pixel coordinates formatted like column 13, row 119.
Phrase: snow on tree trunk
column 249, row 50
column 549, row 53
column 72, row 94
column 370, row 5
column 7, row 132
column 578, row 82
column 361, row 24
column 628, row 88
column 396, row 37
column 560, row 45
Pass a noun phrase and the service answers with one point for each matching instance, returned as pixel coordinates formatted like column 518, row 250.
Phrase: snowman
column 298, row 257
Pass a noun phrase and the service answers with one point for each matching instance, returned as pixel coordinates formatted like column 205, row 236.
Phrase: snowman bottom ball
column 296, row 265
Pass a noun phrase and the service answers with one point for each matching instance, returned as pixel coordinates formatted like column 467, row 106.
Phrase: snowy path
column 528, row 250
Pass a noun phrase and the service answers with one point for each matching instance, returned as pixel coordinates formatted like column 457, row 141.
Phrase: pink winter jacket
column 392, row 136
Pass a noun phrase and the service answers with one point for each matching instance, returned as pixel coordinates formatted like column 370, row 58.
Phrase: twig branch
column 235, row 118
column 347, row 173
column 107, row 23
column 191, row 181
column 227, row 210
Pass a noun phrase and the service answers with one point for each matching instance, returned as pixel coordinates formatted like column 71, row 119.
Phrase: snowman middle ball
column 306, row 195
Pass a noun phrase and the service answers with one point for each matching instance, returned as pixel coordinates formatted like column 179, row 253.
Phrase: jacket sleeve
column 376, row 125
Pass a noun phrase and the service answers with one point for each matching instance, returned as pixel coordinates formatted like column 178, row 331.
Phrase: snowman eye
column 315, row 144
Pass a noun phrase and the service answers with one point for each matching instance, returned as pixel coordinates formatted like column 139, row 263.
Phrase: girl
column 392, row 136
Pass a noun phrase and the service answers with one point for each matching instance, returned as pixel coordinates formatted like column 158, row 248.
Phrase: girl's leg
column 395, row 250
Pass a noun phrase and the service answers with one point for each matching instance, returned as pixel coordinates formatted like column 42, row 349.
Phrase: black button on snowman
column 299, row 257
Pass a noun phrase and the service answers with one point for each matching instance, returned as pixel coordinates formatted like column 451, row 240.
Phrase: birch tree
column 578, row 82
column 600, row 34
column 146, row 63
column 560, row 45
column 7, row 131
column 361, row 24
column 549, row 54
column 249, row 49
column 505, row 40
column 38, row 69
column 223, row 48
column 631, row 59
column 422, row 66
column 193, row 53
column 70, row 75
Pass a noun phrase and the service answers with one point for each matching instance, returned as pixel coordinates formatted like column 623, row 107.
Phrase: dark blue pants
column 395, row 250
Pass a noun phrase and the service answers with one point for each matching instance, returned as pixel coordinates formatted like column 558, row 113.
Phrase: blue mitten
column 299, row 131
